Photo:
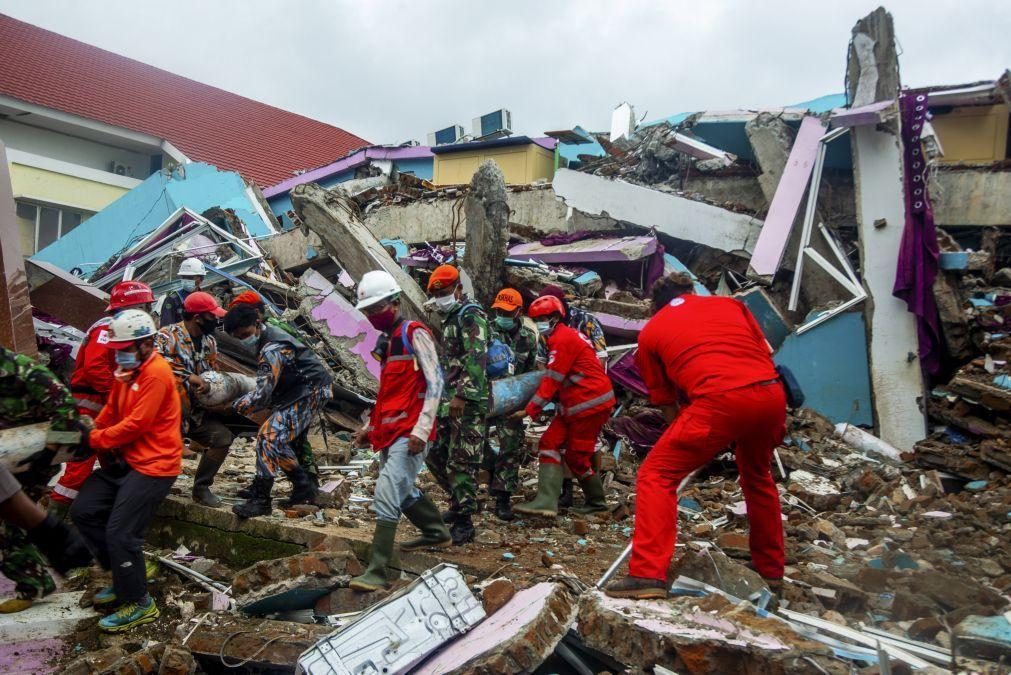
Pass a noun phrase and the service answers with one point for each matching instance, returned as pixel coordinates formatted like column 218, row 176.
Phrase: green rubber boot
column 549, row 486
column 374, row 578
column 424, row 515
column 593, row 496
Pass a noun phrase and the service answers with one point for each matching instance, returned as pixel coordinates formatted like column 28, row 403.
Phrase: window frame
column 61, row 209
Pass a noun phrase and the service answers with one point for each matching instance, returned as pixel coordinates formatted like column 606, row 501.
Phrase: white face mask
column 446, row 303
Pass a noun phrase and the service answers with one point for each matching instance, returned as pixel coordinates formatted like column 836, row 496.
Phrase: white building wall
column 56, row 145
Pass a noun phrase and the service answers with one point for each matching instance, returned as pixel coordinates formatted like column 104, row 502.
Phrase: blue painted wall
column 830, row 362
column 196, row 186
column 422, row 167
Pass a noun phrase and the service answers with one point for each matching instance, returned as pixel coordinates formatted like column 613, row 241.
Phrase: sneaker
column 130, row 616
column 637, row 588
column 104, row 597
column 14, row 605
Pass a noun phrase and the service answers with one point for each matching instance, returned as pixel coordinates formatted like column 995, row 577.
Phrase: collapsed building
column 864, row 231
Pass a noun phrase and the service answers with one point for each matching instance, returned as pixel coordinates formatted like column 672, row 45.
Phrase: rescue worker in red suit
column 92, row 381
column 585, row 401
column 711, row 352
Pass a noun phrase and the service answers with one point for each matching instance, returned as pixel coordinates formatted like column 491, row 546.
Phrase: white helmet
column 192, row 267
column 130, row 325
column 376, row 286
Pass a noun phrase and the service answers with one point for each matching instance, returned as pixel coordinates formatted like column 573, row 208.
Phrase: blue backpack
column 501, row 359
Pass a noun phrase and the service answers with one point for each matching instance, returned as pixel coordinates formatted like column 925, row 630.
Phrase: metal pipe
column 204, row 581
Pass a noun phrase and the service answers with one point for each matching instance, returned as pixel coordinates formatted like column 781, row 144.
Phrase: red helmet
column 546, row 306
column 129, row 294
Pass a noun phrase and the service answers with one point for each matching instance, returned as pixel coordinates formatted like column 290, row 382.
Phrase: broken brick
column 495, row 593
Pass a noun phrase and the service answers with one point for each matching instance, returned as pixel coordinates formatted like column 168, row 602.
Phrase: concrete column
column 487, row 232
column 17, row 331
column 896, row 377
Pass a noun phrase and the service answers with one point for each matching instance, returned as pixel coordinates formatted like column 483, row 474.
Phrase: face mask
column 543, row 327
column 207, row 326
column 251, row 343
column 505, row 322
column 383, row 320
column 188, row 284
column 446, row 303
column 127, row 360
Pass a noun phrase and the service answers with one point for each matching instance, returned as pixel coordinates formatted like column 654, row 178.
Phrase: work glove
column 62, row 545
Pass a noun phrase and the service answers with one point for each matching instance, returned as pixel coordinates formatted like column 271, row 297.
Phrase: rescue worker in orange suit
column 585, row 401
column 91, row 382
column 711, row 352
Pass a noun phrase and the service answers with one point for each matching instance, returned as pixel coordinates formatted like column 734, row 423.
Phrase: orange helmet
column 129, row 294
column 546, row 306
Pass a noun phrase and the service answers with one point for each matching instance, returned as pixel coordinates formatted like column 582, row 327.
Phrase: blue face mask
column 127, row 360
column 251, row 343
column 505, row 322
column 543, row 327
column 188, row 284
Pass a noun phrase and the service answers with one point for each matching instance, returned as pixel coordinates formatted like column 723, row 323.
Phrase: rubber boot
column 462, row 530
column 503, row 506
column 593, row 496
column 549, row 485
column 303, row 489
column 424, row 515
column 565, row 499
column 59, row 509
column 450, row 515
column 207, row 469
column 374, row 577
column 260, row 503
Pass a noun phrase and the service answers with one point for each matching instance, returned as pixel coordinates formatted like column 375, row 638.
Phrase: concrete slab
column 51, row 617
column 515, row 639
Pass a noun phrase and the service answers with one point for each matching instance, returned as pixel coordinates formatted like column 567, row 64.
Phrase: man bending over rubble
column 455, row 457
column 293, row 384
column 712, row 351
column 585, row 400
column 401, row 427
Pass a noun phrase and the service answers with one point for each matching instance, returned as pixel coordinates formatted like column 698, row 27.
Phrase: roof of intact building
column 263, row 143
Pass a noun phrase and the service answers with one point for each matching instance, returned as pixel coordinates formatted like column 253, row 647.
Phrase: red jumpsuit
column 711, row 350
column 585, row 400
column 90, row 385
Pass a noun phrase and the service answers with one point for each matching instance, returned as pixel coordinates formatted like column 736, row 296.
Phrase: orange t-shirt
column 142, row 420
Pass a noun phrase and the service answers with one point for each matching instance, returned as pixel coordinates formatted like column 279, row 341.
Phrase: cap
column 246, row 298
column 443, row 277
column 508, row 299
column 199, row 302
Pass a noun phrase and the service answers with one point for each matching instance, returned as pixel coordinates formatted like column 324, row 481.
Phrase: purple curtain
column 918, row 255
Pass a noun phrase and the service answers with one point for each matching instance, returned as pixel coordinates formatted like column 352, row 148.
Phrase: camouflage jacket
column 465, row 353
column 29, row 393
column 524, row 343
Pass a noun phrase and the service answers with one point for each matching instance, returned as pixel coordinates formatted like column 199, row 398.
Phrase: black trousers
column 113, row 514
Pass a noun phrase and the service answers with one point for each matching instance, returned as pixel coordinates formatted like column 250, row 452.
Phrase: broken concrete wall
column 432, row 220
column 771, row 139
column 294, row 250
column 487, row 232
column 671, row 214
column 971, row 195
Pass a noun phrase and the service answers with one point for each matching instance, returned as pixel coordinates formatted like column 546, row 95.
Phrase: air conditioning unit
column 445, row 136
column 120, row 169
column 499, row 123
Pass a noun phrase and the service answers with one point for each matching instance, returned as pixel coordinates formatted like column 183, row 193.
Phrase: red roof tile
column 263, row 143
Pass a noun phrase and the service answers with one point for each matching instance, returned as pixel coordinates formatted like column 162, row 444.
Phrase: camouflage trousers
column 23, row 564
column 504, row 467
column 281, row 437
column 455, row 457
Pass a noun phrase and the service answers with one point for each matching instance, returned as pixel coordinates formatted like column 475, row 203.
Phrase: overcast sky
column 393, row 71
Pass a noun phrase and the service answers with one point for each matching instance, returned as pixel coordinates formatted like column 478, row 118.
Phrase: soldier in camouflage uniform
column 29, row 393
column 507, row 326
column 455, row 458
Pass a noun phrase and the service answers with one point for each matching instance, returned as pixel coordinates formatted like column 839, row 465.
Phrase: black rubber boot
column 424, row 515
column 375, row 578
column 207, row 469
column 450, row 515
column 303, row 489
column 504, row 506
column 462, row 530
column 260, row 504
column 565, row 498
